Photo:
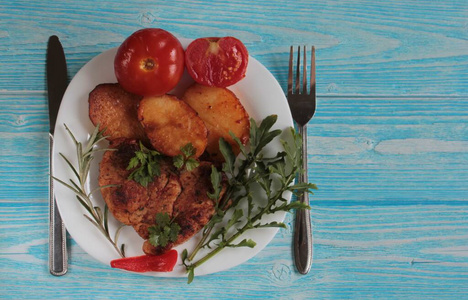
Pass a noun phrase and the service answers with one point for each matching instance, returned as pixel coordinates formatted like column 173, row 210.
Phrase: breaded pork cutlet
column 183, row 196
column 130, row 202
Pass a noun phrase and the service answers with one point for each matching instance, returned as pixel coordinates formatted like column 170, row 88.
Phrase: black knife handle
column 58, row 256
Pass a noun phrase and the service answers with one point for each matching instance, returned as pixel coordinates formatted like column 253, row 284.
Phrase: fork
column 302, row 105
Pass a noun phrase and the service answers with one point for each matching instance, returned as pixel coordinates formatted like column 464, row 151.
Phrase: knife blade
column 57, row 82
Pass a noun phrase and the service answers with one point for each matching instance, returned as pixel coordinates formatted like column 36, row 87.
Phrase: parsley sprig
column 145, row 165
column 186, row 158
column 253, row 170
column 85, row 154
column 164, row 230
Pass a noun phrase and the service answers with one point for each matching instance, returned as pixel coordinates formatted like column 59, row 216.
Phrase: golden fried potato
column 171, row 124
column 116, row 110
column 222, row 112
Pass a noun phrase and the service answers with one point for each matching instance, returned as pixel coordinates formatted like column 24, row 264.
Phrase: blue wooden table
column 388, row 146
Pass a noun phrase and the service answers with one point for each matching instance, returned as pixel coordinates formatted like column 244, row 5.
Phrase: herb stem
column 223, row 205
column 85, row 156
column 240, row 231
column 218, row 249
column 274, row 175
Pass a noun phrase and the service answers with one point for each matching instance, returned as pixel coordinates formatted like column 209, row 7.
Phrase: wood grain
column 366, row 252
column 363, row 48
column 388, row 146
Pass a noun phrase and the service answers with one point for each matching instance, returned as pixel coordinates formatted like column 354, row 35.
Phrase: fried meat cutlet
column 130, row 202
column 193, row 208
column 183, row 196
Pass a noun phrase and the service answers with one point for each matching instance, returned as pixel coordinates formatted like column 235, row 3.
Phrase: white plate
column 259, row 92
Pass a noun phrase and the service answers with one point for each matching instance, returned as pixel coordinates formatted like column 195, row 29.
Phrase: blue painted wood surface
column 388, row 146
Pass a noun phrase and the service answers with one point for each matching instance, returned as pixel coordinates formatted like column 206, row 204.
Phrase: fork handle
column 302, row 227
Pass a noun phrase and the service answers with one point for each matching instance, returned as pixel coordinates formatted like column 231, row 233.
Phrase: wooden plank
column 364, row 150
column 408, row 251
column 388, row 146
column 363, row 47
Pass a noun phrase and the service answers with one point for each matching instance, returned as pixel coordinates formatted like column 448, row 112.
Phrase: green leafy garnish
column 274, row 176
column 164, row 230
column 216, row 183
column 185, row 159
column 145, row 164
column 78, row 185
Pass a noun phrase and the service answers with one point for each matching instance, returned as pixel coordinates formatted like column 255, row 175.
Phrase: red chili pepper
column 147, row 263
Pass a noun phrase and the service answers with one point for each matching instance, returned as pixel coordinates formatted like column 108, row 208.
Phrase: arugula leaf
column 216, row 183
column 274, row 175
column 244, row 243
column 228, row 154
column 164, row 230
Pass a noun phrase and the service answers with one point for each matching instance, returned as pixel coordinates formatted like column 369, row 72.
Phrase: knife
column 57, row 81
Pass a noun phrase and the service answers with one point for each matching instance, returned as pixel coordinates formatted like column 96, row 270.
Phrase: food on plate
column 147, row 263
column 115, row 109
column 214, row 61
column 182, row 195
column 130, row 202
column 169, row 195
column 193, row 208
column 170, row 124
column 222, row 112
column 150, row 62
column 158, row 172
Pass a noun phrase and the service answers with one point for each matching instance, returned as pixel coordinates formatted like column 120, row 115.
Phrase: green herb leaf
column 191, row 164
column 163, row 219
column 184, row 255
column 272, row 224
column 185, row 159
column 244, row 243
column 164, row 230
column 191, row 275
column 188, row 150
column 238, row 213
column 216, row 183
column 145, row 165
column 178, row 161
column 228, row 154
column 275, row 175
column 81, row 172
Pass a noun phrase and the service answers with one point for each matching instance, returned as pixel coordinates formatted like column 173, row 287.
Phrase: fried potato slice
column 116, row 110
column 222, row 112
column 170, row 124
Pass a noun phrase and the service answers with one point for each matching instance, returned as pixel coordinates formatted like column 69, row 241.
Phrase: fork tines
column 304, row 72
column 302, row 103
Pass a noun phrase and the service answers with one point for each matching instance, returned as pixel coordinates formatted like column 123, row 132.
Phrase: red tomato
column 147, row 263
column 150, row 62
column 217, row 62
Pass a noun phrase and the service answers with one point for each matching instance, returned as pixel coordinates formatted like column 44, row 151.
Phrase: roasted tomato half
column 150, row 62
column 219, row 62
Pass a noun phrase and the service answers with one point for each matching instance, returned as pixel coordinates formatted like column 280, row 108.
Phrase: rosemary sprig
column 84, row 157
column 273, row 175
